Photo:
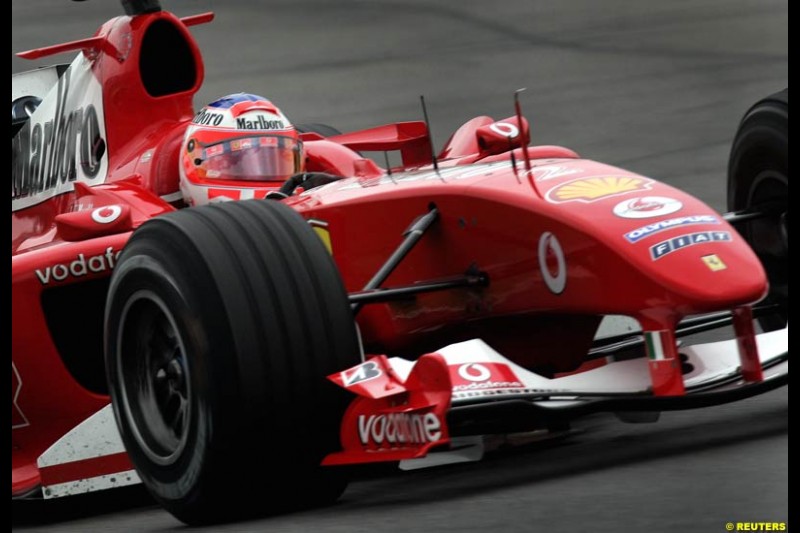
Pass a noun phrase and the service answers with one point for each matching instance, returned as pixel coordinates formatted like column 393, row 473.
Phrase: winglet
column 89, row 44
column 200, row 18
column 393, row 420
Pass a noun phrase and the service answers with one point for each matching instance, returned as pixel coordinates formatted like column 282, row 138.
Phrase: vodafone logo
column 399, row 429
column 647, row 207
column 106, row 214
column 483, row 376
column 505, row 129
column 474, row 372
column 552, row 263
column 81, row 266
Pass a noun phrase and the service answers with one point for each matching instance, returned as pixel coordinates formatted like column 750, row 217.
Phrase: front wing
column 404, row 409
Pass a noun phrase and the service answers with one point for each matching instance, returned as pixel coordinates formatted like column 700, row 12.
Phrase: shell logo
column 588, row 190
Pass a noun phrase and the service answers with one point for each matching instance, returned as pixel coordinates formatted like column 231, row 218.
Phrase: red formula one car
column 393, row 314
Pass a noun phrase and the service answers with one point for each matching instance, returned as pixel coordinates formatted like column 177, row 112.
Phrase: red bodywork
column 554, row 251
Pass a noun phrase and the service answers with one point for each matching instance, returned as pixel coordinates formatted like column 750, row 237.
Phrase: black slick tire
column 222, row 323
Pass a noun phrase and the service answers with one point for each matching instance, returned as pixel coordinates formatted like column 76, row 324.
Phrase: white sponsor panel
column 711, row 361
column 484, row 376
column 36, row 82
column 92, row 484
column 633, row 377
column 95, row 438
column 613, row 325
column 63, row 142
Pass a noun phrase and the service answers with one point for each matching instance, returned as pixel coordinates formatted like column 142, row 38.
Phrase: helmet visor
column 252, row 158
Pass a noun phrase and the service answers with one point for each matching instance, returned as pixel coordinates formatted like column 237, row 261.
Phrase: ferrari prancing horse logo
column 714, row 263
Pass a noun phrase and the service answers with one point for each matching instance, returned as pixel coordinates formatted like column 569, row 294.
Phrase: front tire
column 222, row 323
column 758, row 180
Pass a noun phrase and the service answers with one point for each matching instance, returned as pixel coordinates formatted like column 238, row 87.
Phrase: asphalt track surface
column 656, row 87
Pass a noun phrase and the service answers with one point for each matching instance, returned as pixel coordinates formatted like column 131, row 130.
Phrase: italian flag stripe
column 655, row 349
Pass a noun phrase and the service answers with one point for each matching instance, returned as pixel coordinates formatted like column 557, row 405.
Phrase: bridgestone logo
column 397, row 429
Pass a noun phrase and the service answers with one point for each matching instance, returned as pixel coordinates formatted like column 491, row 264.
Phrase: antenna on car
column 388, row 167
column 430, row 137
column 513, row 157
column 524, row 143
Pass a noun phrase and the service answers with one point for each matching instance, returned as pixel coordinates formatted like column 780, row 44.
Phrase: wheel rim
column 154, row 378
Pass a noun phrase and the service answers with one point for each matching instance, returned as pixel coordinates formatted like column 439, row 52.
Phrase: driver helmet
column 238, row 147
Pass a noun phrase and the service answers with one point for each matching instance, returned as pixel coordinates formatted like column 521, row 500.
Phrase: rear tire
column 222, row 323
column 758, row 180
